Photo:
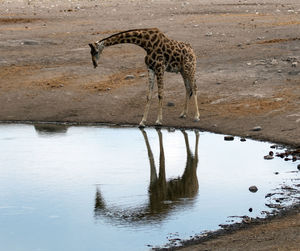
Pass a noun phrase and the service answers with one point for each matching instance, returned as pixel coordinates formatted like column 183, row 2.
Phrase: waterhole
column 101, row 188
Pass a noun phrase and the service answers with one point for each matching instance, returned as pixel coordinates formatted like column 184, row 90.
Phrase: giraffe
column 163, row 55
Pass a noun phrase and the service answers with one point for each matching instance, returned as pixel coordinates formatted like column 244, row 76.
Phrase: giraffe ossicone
column 163, row 55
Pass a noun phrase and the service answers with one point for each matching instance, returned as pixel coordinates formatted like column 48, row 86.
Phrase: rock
column 128, row 77
column 274, row 62
column 171, row 129
column 250, row 209
column 29, row 42
column 253, row 189
column 256, row 128
column 209, row 34
column 170, row 104
column 294, row 64
column 271, row 153
column 242, row 139
column 268, row 157
column 298, row 167
column 142, row 75
column 246, row 219
column 228, row 138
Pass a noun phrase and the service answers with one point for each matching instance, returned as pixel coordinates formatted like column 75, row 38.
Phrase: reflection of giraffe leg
column 153, row 175
column 149, row 96
column 196, row 144
column 187, row 145
column 162, row 182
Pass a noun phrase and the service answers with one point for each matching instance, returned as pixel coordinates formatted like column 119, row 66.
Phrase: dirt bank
column 248, row 72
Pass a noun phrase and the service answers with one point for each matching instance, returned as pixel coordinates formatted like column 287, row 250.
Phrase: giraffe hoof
column 141, row 125
column 197, row 119
column 158, row 123
column 182, row 116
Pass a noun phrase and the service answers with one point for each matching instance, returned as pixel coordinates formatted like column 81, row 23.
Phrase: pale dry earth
column 248, row 74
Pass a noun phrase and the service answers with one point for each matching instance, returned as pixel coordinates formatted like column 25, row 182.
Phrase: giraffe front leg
column 149, row 96
column 160, row 100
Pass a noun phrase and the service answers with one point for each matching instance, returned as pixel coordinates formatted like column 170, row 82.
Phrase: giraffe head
column 96, row 50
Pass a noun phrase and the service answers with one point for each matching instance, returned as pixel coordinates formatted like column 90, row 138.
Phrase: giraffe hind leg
column 188, row 94
column 191, row 90
column 197, row 114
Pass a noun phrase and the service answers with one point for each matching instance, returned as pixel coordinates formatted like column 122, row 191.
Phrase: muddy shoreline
column 284, row 144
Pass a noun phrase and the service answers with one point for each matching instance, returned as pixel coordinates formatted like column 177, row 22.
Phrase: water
column 99, row 188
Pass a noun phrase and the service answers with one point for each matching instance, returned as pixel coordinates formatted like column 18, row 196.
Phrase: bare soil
column 248, row 74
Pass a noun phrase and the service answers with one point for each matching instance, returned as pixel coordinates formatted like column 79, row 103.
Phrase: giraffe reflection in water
column 164, row 195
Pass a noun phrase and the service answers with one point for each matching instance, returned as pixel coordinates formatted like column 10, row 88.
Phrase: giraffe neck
column 142, row 37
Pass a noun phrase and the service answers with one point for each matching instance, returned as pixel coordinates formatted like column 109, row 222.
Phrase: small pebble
column 274, row 62
column 170, row 104
column 298, row 167
column 243, row 139
column 228, row 138
column 268, row 157
column 250, row 209
column 128, row 77
column 256, row 128
column 253, row 189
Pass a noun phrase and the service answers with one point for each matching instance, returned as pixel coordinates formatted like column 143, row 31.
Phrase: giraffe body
column 163, row 55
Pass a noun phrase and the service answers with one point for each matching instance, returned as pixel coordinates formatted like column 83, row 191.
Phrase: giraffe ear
column 93, row 48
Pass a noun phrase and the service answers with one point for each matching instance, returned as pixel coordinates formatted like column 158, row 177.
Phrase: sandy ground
column 248, row 74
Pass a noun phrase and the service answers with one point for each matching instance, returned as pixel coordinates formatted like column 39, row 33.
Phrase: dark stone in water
column 253, row 189
column 268, row 157
column 250, row 209
column 298, row 167
column 228, row 138
column 243, row 139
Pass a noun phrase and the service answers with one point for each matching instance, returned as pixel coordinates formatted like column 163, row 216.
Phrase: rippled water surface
column 98, row 188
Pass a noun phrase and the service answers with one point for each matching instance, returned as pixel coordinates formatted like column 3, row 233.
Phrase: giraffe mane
column 116, row 34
